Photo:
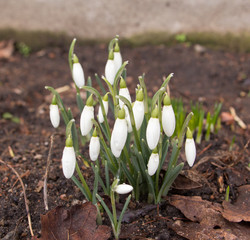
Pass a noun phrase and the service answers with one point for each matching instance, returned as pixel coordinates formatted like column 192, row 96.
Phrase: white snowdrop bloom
column 54, row 115
column 190, row 149
column 168, row 117
column 153, row 130
column 94, row 148
column 168, row 120
column 119, row 134
column 153, row 163
column 138, row 111
column 123, row 91
column 128, row 120
column 123, row 188
column 110, row 70
column 117, row 58
column 68, row 161
column 86, row 117
column 100, row 113
column 78, row 75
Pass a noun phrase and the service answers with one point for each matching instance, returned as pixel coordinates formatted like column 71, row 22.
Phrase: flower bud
column 119, row 134
column 190, row 149
column 123, row 188
column 117, row 58
column 68, row 159
column 86, row 117
column 77, row 73
column 153, row 130
column 168, row 117
column 124, row 92
column 54, row 115
column 94, row 146
column 138, row 109
column 153, row 163
column 110, row 70
column 106, row 107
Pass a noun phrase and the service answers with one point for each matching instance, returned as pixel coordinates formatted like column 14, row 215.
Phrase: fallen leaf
column 6, row 49
column 227, row 118
column 185, row 183
column 75, row 224
column 240, row 210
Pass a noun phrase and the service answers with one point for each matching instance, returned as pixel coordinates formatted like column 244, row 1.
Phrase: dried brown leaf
column 75, row 224
column 185, row 183
column 240, row 210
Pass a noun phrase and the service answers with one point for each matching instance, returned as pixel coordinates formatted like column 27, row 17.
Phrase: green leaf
column 122, row 213
column 71, row 52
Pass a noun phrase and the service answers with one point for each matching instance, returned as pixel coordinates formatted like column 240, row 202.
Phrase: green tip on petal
column 69, row 142
column 117, row 48
column 90, row 101
column 75, row 59
column 54, row 101
column 121, row 113
column 111, row 54
column 154, row 113
column 106, row 97
column 122, row 83
column 139, row 95
column 189, row 133
column 166, row 100
column 94, row 133
column 155, row 150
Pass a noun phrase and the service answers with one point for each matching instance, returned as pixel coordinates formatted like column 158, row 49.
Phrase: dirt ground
column 208, row 76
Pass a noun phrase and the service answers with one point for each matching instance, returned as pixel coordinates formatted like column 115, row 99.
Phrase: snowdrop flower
column 153, row 162
column 138, row 109
column 106, row 107
column 123, row 92
column 168, row 117
column 54, row 113
column 123, row 188
column 119, row 134
column 68, row 158
column 153, row 130
column 94, row 146
column 117, row 57
column 77, row 73
column 190, row 149
column 86, row 117
column 110, row 70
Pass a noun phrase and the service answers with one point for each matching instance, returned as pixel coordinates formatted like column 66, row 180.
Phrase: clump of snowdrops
column 133, row 151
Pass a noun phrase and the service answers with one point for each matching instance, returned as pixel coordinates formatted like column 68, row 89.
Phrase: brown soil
column 208, row 77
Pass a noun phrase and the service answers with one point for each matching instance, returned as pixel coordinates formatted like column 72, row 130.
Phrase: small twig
column 24, row 195
column 45, row 192
column 204, row 149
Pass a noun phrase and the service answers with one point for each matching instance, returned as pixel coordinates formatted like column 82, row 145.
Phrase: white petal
column 153, row 132
column 190, row 151
column 138, row 111
column 100, row 114
column 125, row 93
column 78, row 75
column 123, row 188
column 153, row 163
column 68, row 161
column 110, row 71
column 168, row 120
column 85, row 121
column 117, row 60
column 118, row 136
column 94, row 148
column 127, row 117
column 54, row 115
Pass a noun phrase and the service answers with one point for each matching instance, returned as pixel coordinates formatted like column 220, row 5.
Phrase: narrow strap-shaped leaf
column 100, row 84
column 145, row 93
column 74, row 134
column 79, row 102
column 79, row 185
column 184, row 129
column 71, row 52
column 106, row 208
column 89, row 83
column 107, row 177
column 123, row 211
column 128, row 175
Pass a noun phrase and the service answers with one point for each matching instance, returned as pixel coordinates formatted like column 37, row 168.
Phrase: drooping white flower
column 110, row 69
column 138, row 109
column 128, row 120
column 117, row 58
column 54, row 115
column 153, row 163
column 153, row 130
column 86, row 117
column 168, row 117
column 119, row 134
column 123, row 188
column 77, row 73
column 123, row 91
column 106, row 107
column 68, row 159
column 190, row 149
column 94, row 146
